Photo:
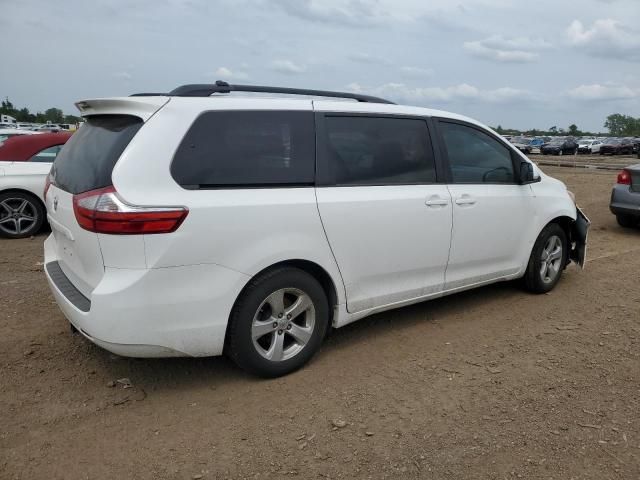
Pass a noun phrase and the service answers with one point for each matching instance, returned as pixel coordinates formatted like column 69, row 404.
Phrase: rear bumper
column 164, row 312
column 625, row 201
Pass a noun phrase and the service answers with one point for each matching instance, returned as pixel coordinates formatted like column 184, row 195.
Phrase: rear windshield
column 87, row 160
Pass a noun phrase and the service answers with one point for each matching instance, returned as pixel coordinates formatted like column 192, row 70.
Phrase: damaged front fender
column 579, row 234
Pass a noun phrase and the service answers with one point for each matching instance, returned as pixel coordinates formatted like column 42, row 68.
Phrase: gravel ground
column 493, row 383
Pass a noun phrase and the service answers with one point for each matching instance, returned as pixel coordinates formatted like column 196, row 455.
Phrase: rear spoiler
column 142, row 107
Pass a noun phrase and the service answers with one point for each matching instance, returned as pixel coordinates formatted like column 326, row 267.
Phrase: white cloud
column 606, row 37
column 417, row 71
column 367, row 58
column 597, row 91
column 122, row 75
column 354, row 13
column 507, row 50
column 453, row 93
column 224, row 73
column 287, row 67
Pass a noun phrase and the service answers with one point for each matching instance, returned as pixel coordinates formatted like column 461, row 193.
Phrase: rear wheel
column 626, row 221
column 548, row 259
column 278, row 323
column 21, row 215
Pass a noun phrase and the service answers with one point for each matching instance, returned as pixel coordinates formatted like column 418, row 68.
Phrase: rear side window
column 225, row 149
column 476, row 157
column 47, row 155
column 86, row 161
column 363, row 150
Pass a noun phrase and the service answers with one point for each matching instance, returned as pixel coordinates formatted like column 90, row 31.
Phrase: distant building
column 7, row 119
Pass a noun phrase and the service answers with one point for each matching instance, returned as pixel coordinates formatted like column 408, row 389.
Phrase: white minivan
column 200, row 222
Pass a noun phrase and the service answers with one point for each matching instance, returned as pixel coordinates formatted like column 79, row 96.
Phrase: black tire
column 14, row 223
column 240, row 344
column 533, row 279
column 626, row 221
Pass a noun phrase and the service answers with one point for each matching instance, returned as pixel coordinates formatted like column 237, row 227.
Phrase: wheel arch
column 574, row 238
column 312, row 268
column 27, row 192
column 564, row 221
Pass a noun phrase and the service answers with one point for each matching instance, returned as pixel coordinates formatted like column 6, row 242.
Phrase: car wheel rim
column 17, row 216
column 283, row 325
column 551, row 259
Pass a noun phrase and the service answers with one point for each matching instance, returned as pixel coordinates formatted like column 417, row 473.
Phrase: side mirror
column 527, row 174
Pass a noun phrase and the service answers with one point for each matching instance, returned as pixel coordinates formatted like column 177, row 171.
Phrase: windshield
column 557, row 141
column 612, row 141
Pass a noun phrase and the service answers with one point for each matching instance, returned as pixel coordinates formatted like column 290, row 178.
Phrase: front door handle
column 436, row 201
column 465, row 199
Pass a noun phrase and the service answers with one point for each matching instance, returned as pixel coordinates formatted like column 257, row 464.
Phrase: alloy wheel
column 17, row 215
column 551, row 259
column 283, row 324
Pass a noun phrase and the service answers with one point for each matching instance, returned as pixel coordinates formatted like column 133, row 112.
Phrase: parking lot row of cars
column 573, row 145
column 38, row 127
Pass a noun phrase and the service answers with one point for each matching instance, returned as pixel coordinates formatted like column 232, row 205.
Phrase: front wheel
column 548, row 259
column 278, row 323
column 21, row 215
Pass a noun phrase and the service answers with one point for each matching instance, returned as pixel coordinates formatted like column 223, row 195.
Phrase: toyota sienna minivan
column 200, row 222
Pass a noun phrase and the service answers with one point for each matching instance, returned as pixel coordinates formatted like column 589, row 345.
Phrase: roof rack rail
column 205, row 90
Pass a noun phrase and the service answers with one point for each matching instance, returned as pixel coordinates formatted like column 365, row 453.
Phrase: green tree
column 24, row 115
column 622, row 125
column 54, row 115
column 71, row 119
column 573, row 130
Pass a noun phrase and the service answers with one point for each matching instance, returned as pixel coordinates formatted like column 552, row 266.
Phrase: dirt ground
column 494, row 383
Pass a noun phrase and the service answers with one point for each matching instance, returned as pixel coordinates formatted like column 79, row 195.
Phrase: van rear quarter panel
column 243, row 229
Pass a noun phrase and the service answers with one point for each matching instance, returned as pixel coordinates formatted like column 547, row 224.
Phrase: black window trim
column 321, row 160
column 249, row 186
column 516, row 159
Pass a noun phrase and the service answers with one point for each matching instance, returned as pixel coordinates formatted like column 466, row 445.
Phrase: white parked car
column 589, row 146
column 22, row 210
column 12, row 132
column 192, row 224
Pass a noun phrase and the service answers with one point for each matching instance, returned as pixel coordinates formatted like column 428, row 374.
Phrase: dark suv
column 617, row 146
column 560, row 146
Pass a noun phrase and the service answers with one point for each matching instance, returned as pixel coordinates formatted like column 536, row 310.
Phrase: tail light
column 103, row 211
column 47, row 184
column 624, row 177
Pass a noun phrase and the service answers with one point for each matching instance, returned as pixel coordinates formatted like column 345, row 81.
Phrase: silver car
column 625, row 197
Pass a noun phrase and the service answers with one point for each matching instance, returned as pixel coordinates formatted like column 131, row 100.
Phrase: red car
column 33, row 148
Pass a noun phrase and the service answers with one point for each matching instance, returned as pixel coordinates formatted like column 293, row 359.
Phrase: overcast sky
column 517, row 63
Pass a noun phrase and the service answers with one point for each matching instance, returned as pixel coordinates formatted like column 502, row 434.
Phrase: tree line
column 617, row 125
column 53, row 115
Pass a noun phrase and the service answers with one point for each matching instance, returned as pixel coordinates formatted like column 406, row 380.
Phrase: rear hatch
column 85, row 164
